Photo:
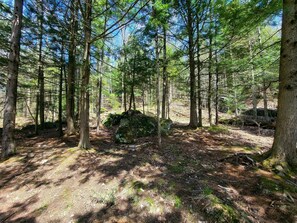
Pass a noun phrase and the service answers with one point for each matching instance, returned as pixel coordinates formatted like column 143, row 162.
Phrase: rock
column 279, row 168
column 112, row 120
column 166, row 126
column 133, row 124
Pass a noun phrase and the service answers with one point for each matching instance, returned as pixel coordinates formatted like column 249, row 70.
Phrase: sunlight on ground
column 51, row 180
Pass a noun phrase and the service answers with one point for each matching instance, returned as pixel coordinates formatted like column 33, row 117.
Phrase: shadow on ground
column 184, row 181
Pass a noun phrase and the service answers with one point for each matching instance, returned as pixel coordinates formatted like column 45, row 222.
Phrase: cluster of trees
column 218, row 54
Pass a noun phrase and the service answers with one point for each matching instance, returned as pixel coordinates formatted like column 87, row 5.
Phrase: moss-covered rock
column 166, row 125
column 133, row 124
column 112, row 120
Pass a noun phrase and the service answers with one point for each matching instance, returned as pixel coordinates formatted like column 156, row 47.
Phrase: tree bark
column 100, row 81
column 40, row 65
column 71, row 70
column 285, row 138
column 124, row 88
column 84, row 142
column 209, row 95
column 158, row 88
column 143, row 100
column 199, row 75
column 254, row 99
column 265, row 99
column 217, row 78
column 193, row 106
column 165, row 76
column 8, row 142
column 36, row 114
column 60, row 128
column 99, row 85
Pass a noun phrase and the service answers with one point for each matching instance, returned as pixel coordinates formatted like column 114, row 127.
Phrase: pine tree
column 8, row 141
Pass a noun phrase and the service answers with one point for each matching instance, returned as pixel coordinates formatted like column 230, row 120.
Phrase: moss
column 269, row 186
column 216, row 129
column 177, row 201
column 278, row 184
column 217, row 211
column 252, row 149
column 133, row 124
column 270, row 162
column 112, row 120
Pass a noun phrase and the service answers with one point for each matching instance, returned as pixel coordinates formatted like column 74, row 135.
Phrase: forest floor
column 203, row 175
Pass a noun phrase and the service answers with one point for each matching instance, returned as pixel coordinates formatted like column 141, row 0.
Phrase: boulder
column 133, row 124
column 112, row 120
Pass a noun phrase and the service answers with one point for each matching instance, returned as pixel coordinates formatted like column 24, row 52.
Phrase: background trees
column 81, row 58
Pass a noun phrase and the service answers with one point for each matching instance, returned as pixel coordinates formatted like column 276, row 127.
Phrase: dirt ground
column 203, row 175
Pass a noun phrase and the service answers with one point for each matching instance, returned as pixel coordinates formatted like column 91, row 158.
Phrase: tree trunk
column 217, row 75
column 36, row 114
column 71, row 70
column 209, row 95
column 193, row 106
column 124, row 92
column 199, row 75
column 143, row 100
column 234, row 86
column 99, row 85
column 77, row 114
column 170, row 96
column 101, row 70
column 217, row 89
column 40, row 65
column 165, row 76
column 84, row 141
column 254, row 98
column 265, row 99
column 60, row 128
column 285, row 138
column 158, row 88
column 8, row 142
column 124, row 88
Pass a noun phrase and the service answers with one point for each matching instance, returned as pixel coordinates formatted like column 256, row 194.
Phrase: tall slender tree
column 84, row 141
column 40, row 14
column 191, row 52
column 285, row 138
column 8, row 142
column 72, row 67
